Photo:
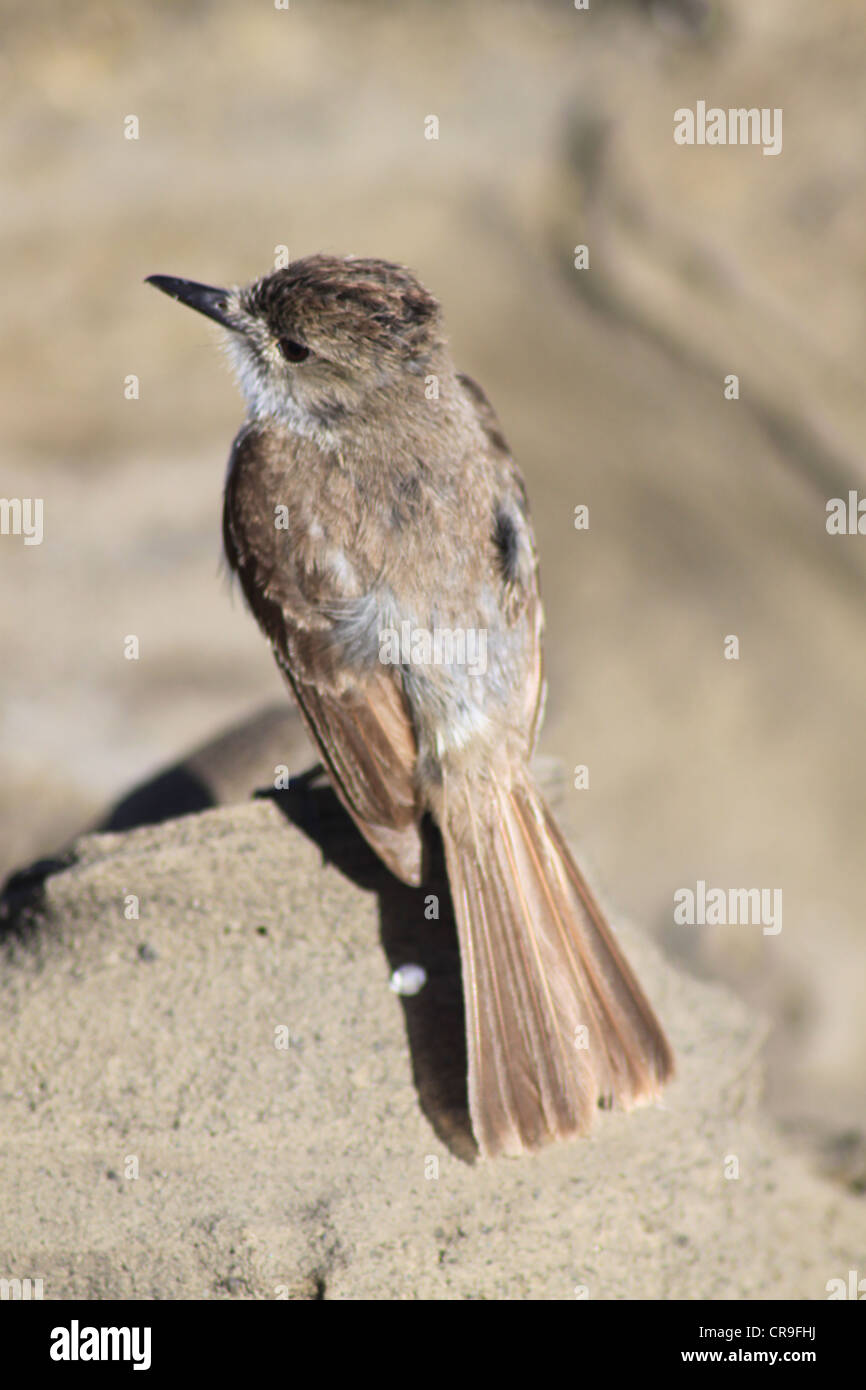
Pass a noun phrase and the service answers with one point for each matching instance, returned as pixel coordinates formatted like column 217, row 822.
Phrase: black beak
column 205, row 298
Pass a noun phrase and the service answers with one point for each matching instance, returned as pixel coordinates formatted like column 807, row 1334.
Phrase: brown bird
column 380, row 530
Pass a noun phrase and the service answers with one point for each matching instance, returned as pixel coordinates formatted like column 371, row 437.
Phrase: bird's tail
column 556, row 1022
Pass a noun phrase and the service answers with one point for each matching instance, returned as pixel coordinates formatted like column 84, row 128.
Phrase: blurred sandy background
column 261, row 127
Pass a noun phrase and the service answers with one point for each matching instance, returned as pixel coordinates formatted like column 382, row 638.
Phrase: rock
column 248, row 1111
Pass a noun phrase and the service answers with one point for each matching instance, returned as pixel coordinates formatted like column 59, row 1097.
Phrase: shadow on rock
column 434, row 1017
column 223, row 770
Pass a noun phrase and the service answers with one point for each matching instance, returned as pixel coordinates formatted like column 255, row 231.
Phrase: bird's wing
column 516, row 543
column 359, row 719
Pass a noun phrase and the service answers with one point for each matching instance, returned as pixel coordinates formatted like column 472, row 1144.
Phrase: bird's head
column 322, row 338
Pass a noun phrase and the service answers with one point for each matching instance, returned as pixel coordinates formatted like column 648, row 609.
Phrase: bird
column 381, row 533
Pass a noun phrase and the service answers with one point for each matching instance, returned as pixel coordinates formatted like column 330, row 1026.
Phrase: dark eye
column 292, row 351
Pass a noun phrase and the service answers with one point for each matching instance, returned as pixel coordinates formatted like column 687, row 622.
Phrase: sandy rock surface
column 229, row 1102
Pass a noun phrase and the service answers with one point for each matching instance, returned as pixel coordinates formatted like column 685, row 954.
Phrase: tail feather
column 555, row 1019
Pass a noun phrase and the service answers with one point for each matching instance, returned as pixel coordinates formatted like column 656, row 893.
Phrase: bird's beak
column 205, row 298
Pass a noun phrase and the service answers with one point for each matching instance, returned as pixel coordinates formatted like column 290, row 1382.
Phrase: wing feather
column 360, row 721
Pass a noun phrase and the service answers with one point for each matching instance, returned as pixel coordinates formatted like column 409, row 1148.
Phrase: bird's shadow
column 417, row 927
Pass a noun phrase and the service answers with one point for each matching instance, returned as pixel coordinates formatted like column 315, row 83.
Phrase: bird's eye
column 292, row 351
